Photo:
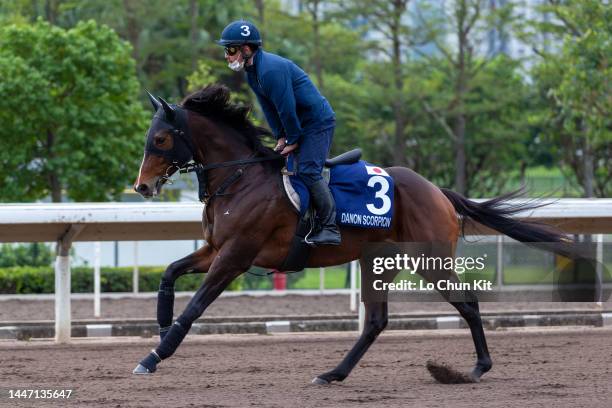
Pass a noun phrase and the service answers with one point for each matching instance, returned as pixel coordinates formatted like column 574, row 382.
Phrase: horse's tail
column 497, row 214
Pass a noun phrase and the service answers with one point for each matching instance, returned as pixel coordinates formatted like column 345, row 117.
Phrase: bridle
column 181, row 157
column 169, row 172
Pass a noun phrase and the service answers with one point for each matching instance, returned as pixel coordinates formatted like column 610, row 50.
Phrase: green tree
column 386, row 18
column 495, row 110
column 71, row 120
column 458, row 38
column 34, row 254
column 356, row 125
column 574, row 79
column 167, row 37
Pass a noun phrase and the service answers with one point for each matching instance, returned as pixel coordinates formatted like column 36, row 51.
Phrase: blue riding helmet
column 240, row 32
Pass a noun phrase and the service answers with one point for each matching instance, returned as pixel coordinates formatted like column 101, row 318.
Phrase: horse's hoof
column 480, row 369
column 320, row 381
column 148, row 365
column 141, row 370
column 475, row 377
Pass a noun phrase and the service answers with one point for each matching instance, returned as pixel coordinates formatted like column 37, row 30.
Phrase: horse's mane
column 213, row 101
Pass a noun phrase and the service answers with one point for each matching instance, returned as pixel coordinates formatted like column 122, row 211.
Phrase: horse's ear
column 167, row 108
column 154, row 101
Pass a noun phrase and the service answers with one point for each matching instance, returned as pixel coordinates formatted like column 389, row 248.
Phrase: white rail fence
column 67, row 223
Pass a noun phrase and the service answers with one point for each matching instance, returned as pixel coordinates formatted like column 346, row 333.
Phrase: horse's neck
column 216, row 144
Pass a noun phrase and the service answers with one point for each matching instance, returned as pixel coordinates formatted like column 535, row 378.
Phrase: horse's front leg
column 196, row 262
column 230, row 262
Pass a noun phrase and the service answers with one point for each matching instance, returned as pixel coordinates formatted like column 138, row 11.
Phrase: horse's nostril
column 142, row 188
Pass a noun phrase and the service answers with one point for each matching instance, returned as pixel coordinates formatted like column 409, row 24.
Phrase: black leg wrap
column 165, row 306
column 172, row 339
column 150, row 362
column 163, row 331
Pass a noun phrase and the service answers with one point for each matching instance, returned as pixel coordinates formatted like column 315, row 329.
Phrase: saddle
column 299, row 251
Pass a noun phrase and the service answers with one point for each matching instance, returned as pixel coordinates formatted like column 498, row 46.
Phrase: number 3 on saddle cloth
column 363, row 193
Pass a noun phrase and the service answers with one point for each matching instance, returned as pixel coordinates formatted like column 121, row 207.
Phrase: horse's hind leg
column 471, row 313
column 376, row 318
column 196, row 262
column 469, row 310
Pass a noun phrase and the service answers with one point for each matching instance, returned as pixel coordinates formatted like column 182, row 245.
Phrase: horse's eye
column 163, row 140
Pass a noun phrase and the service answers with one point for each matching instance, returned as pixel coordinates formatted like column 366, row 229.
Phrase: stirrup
column 312, row 240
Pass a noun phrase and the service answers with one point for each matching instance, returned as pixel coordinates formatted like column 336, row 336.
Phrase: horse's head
column 168, row 147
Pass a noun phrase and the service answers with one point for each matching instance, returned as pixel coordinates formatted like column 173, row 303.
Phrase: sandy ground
column 26, row 310
column 569, row 367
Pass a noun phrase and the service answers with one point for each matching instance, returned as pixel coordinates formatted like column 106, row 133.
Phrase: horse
column 248, row 220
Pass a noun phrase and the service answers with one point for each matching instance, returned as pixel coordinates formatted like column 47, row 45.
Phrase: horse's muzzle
column 144, row 190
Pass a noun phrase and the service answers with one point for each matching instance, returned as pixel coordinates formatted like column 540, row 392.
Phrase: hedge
column 25, row 279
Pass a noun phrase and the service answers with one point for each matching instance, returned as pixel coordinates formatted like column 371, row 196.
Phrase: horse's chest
column 207, row 225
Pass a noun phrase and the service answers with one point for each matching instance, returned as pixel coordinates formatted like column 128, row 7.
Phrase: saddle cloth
column 363, row 193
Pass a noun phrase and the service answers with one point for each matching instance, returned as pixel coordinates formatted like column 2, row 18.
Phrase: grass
column 336, row 277
column 548, row 181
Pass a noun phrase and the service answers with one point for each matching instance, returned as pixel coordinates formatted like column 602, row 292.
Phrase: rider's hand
column 288, row 149
column 282, row 142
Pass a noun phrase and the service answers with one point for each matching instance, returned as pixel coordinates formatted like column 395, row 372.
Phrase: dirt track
column 569, row 367
column 27, row 310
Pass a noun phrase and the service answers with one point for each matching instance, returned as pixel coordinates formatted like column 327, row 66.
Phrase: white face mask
column 236, row 65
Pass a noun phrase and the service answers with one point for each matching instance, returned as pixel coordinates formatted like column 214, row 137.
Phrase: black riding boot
column 325, row 207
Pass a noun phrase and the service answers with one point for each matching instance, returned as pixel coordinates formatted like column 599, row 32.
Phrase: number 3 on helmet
column 240, row 32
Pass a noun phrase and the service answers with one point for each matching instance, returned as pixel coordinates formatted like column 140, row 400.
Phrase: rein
column 202, row 174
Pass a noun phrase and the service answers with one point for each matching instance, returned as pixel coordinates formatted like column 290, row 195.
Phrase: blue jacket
column 291, row 103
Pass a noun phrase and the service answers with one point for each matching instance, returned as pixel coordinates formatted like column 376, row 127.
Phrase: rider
column 296, row 112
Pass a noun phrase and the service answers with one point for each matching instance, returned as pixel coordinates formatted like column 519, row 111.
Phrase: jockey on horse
column 225, row 147
column 301, row 119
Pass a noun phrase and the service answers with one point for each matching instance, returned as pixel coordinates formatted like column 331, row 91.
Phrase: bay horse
column 248, row 220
